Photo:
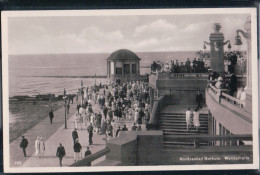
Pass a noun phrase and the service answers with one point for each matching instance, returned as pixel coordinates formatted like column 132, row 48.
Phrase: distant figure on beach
column 90, row 134
column 196, row 121
column 51, row 115
column 42, row 147
column 188, row 117
column 37, row 147
column 77, row 150
column 75, row 135
column 60, row 153
column 87, row 153
column 23, row 145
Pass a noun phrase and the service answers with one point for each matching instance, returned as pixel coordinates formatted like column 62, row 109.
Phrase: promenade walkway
column 53, row 135
column 43, row 129
column 64, row 136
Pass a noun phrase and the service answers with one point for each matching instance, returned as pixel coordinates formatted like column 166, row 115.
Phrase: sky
column 105, row 34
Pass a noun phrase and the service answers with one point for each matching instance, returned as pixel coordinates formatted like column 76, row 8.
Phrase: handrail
column 200, row 138
column 207, row 138
column 214, row 88
column 220, row 94
column 230, row 98
column 91, row 157
column 157, row 107
column 178, row 75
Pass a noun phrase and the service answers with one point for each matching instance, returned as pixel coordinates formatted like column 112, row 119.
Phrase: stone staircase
column 175, row 124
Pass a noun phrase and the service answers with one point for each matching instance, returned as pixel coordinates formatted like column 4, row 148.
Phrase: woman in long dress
column 188, row 118
column 42, row 147
column 37, row 147
column 196, row 121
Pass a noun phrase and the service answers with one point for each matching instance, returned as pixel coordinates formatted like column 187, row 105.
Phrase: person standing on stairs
column 199, row 99
column 196, row 121
column 188, row 118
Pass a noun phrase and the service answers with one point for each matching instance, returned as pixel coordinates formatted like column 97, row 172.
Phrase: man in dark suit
column 87, row 153
column 60, row 153
column 232, row 84
column 51, row 115
column 23, row 145
column 90, row 134
column 199, row 99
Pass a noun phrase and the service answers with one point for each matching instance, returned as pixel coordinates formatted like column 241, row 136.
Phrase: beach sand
column 24, row 115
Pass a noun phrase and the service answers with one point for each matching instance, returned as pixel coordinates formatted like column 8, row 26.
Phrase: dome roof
column 123, row 54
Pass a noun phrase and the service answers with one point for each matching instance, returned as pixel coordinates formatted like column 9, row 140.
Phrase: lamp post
column 65, row 107
column 247, row 35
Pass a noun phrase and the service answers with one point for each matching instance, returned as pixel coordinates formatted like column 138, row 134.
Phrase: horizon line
column 100, row 52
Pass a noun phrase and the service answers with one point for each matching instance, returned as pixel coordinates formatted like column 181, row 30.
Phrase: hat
column 220, row 79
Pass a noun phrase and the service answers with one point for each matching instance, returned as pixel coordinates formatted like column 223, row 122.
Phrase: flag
column 64, row 92
column 81, row 83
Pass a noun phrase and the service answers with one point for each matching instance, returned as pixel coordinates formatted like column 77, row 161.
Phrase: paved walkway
column 53, row 135
column 43, row 129
column 65, row 137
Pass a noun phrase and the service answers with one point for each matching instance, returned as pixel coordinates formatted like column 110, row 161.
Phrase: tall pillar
column 130, row 65
column 108, row 69
column 115, row 68
column 123, row 71
column 151, row 93
column 217, row 132
column 248, row 106
column 217, row 50
column 137, row 68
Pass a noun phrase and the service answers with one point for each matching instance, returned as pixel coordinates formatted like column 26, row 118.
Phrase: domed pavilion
column 122, row 66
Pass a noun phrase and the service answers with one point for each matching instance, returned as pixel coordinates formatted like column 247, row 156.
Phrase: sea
column 43, row 74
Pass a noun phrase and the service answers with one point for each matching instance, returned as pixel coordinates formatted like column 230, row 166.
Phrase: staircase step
column 177, row 118
column 180, row 133
column 179, row 127
column 182, row 143
column 201, row 116
column 181, row 124
column 173, row 124
column 179, row 121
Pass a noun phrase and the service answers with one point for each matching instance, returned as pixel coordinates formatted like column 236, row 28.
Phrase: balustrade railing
column 220, row 94
column 232, row 100
column 91, row 158
column 197, row 139
column 168, row 75
column 157, row 107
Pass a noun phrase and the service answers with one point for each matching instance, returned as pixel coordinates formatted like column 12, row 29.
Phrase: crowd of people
column 128, row 101
column 194, row 66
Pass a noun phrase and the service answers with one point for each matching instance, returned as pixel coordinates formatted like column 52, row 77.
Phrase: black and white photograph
column 130, row 90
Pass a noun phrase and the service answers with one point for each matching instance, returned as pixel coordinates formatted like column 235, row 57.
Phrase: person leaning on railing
column 219, row 84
